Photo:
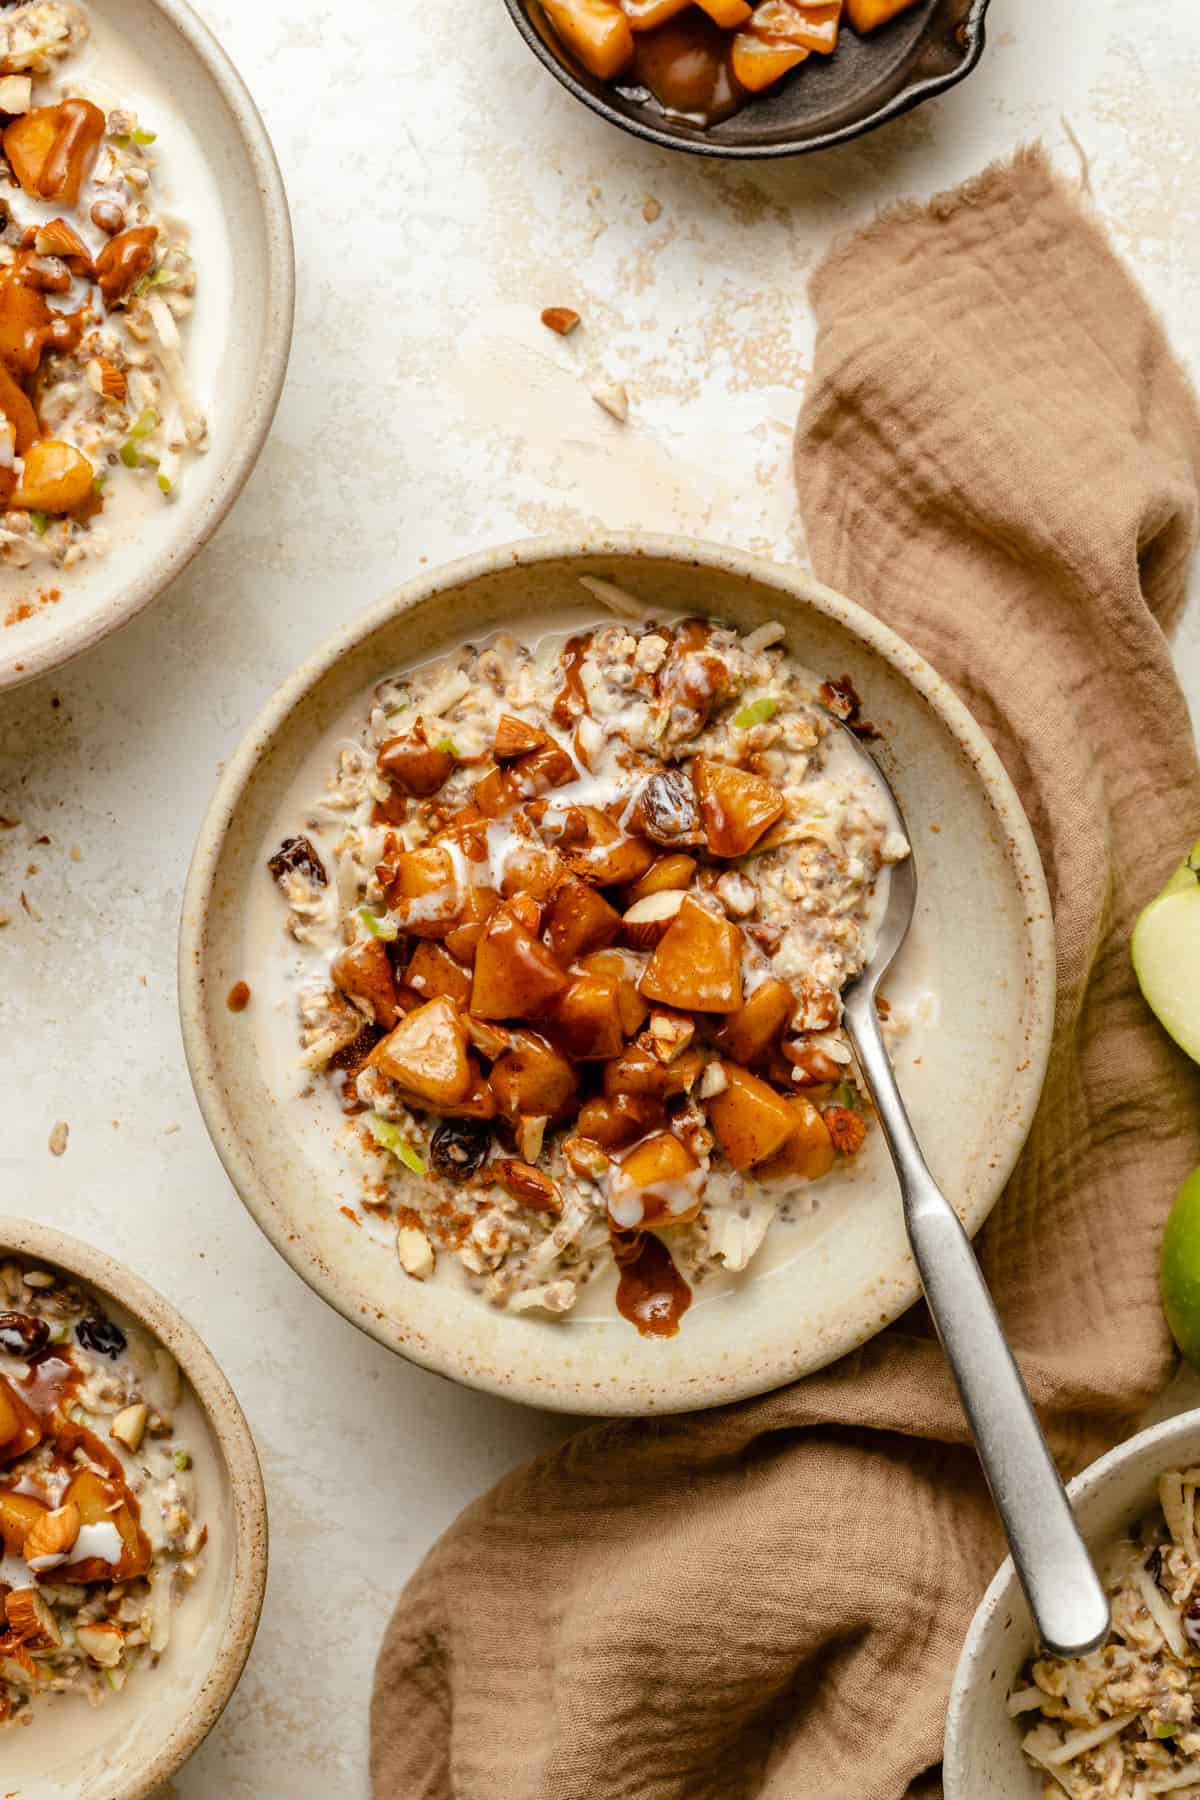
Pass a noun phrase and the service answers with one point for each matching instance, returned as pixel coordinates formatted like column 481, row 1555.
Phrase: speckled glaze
column 169, row 1732
column 832, row 99
column 983, row 1759
column 984, row 920
column 206, row 93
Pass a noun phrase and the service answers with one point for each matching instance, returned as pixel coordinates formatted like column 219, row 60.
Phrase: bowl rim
column 974, row 41
column 797, row 587
column 279, row 299
column 1162, row 1436
column 34, row 1240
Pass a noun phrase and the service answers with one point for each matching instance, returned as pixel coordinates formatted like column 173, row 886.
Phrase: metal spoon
column 1066, row 1598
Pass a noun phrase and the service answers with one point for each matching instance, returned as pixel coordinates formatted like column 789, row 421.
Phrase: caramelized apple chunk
column 515, row 976
column 614, row 1120
column 579, row 919
column 667, row 873
column 747, row 1035
column 103, row 1502
column 636, row 1072
column 426, row 1054
column 623, row 967
column 19, row 1513
column 52, row 148
column 19, row 1429
column 435, row 974
column 749, row 1119
column 657, row 1183
column 736, row 807
column 533, row 1079
column 609, row 858
column 414, row 765
column 807, row 1150
column 363, row 972
column 422, row 889
column 869, row 15
column 698, row 965
column 597, row 31
column 587, row 1019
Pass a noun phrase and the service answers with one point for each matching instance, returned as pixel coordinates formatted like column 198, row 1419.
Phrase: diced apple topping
column 423, row 890
column 698, row 965
column 736, row 807
column 748, row 1034
column 427, row 1054
column 808, row 1150
column 579, row 919
column 516, row 977
column 414, row 765
column 532, row 1077
column 434, row 974
column 676, row 871
column 657, row 1183
column 587, row 1019
column 749, row 1119
column 19, row 1429
column 363, row 972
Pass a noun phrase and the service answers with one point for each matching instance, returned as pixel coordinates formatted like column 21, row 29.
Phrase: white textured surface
column 444, row 190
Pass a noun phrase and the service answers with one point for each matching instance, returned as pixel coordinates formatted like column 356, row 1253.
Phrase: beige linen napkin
column 998, row 456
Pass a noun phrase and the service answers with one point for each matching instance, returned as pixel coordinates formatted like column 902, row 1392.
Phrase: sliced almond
column 530, row 1135
column 103, row 1643
column 530, row 1186
column 614, row 399
column 106, row 379
column 53, row 1534
column 16, row 94
column 646, row 921
column 585, row 1158
column 31, row 1620
column 668, row 1033
column 57, row 238
column 415, row 1252
column 129, row 1427
column 489, row 1039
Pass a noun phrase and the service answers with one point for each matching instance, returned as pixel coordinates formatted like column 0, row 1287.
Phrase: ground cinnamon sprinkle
column 25, row 609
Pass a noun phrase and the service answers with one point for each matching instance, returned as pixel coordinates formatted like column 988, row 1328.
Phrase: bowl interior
column 977, row 974
column 130, row 1745
column 218, row 173
column 983, row 1745
column 828, row 99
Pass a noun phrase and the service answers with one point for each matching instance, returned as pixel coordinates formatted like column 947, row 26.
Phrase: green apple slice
column 1166, row 955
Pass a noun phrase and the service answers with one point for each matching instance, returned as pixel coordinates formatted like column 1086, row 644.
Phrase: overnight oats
column 571, row 921
column 1123, row 1723
column 96, row 288
column 100, row 1541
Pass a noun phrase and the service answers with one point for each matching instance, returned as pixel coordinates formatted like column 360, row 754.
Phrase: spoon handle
column 1066, row 1598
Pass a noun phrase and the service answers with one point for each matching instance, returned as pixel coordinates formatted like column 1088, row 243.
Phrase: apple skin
column 1179, row 1269
column 1165, row 950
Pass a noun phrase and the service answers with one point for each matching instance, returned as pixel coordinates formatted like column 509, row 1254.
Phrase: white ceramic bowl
column 983, row 1759
column 982, row 940
column 126, row 1749
column 219, row 173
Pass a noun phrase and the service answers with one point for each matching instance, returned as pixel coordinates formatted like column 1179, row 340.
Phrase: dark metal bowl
column 827, row 100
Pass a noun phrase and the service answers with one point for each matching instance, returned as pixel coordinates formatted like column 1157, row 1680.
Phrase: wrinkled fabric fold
column 998, row 455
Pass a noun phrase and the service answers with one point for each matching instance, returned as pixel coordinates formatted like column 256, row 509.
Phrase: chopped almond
column 530, row 1186
column 698, row 965
column 668, row 1034
column 364, row 972
column 31, row 1621
column 516, row 737
column 648, row 919
column 749, row 1118
column 748, row 1034
column 736, row 807
column 560, row 319
column 427, row 1054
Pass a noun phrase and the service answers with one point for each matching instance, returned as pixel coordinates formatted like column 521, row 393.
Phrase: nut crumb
column 614, row 400
column 58, row 1138
column 76, row 853
column 561, row 319
column 651, row 209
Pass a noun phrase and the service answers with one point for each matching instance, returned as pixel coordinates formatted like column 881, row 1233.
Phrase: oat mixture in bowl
column 100, row 1537
column 574, row 918
column 97, row 285
column 132, row 1527
column 821, row 1263
column 1124, row 1722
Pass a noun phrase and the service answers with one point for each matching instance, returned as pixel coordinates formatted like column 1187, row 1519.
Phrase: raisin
column 101, row 1336
column 298, row 853
column 22, row 1336
column 458, row 1147
column 667, row 809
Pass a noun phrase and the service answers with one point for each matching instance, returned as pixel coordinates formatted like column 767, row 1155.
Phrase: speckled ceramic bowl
column 982, row 946
column 983, row 1745
column 223, row 178
column 126, row 1749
